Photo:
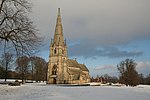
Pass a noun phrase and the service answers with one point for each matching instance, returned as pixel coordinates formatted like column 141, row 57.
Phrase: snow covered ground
column 41, row 91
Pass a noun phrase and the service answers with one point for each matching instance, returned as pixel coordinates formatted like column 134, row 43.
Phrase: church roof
column 73, row 71
column 75, row 64
column 83, row 67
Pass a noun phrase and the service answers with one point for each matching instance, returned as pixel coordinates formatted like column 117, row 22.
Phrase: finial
column 65, row 41
column 51, row 41
column 58, row 11
column 75, row 59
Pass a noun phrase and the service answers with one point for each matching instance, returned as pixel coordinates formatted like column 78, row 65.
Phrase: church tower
column 61, row 69
column 58, row 55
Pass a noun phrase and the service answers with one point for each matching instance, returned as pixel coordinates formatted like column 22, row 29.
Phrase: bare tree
column 22, row 67
column 2, row 72
column 39, row 69
column 128, row 73
column 6, row 62
column 16, row 28
column 110, row 79
column 147, row 80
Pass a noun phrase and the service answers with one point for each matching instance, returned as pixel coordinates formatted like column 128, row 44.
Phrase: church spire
column 58, row 35
column 59, row 11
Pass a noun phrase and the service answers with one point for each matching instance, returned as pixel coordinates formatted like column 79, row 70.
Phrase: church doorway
column 54, row 80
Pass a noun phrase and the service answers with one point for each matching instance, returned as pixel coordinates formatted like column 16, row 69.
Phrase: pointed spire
column 58, row 35
column 59, row 29
column 59, row 11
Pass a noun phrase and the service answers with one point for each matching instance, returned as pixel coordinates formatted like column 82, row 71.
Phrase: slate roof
column 83, row 67
column 72, row 71
column 75, row 64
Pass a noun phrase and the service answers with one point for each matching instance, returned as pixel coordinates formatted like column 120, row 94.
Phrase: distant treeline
column 145, row 80
column 127, row 75
column 26, row 68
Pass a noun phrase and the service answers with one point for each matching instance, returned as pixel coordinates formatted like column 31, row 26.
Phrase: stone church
column 61, row 69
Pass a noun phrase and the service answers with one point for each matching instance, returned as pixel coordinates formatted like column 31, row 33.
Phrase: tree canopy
column 128, row 74
column 16, row 28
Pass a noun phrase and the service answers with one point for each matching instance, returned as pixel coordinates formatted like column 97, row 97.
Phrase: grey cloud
column 88, row 50
column 100, row 21
column 105, row 67
column 114, row 52
column 143, row 64
column 102, row 24
column 143, row 67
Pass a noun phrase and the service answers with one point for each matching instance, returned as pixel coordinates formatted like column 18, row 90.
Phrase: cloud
column 88, row 50
column 105, row 67
column 113, row 52
column 143, row 67
column 99, row 26
column 143, row 64
column 107, row 22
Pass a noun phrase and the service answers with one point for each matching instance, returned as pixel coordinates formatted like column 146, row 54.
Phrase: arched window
column 54, row 70
column 55, row 51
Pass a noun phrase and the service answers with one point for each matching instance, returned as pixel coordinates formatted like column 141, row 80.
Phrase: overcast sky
column 99, row 33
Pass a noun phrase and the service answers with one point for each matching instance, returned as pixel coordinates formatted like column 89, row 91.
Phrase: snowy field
column 41, row 91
